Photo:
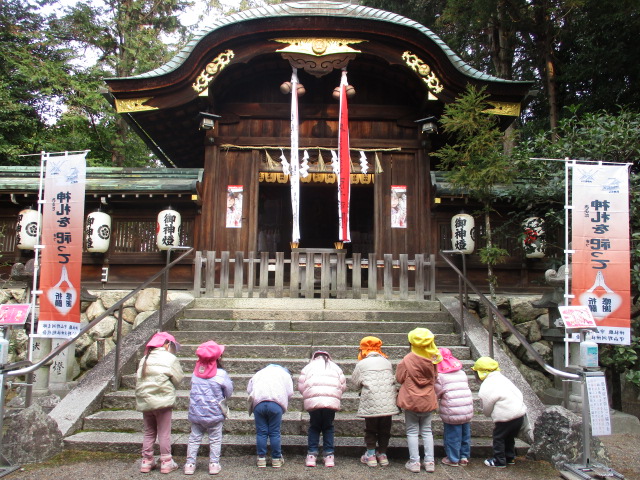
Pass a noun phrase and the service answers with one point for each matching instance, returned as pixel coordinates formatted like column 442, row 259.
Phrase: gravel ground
column 623, row 449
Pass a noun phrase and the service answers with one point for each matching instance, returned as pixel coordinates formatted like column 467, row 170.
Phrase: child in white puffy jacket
column 321, row 384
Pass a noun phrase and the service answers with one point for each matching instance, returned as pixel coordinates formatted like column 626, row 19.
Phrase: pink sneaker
column 369, row 460
column 168, row 465
column 383, row 461
column 311, row 460
column 190, row 468
column 147, row 465
column 464, row 462
column 214, row 468
column 329, row 461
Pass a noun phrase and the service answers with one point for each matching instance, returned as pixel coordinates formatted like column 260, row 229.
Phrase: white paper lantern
column 533, row 242
column 98, row 232
column 168, row 229
column 27, row 229
column 463, row 233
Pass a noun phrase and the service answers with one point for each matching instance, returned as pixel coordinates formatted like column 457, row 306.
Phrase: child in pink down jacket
column 456, row 409
column 321, row 384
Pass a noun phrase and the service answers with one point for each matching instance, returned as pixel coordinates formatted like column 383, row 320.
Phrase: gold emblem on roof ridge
column 318, row 47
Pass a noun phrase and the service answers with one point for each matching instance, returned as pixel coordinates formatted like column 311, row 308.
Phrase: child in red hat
column 210, row 389
column 159, row 374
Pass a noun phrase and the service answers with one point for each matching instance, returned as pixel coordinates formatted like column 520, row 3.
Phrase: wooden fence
column 328, row 274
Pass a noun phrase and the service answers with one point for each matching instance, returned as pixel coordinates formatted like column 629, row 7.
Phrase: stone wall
column 101, row 339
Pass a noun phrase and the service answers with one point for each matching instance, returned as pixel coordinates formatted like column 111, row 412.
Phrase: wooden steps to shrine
column 257, row 332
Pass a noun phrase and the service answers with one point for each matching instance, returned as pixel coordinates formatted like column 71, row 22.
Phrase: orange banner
column 62, row 236
column 600, row 276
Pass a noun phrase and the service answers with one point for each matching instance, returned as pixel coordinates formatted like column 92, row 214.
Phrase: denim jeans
column 215, row 441
column 419, row 423
column 268, row 418
column 457, row 441
column 321, row 421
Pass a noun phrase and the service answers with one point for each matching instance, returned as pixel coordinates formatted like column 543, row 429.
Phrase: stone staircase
column 284, row 331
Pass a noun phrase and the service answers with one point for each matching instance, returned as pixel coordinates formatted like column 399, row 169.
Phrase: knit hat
column 159, row 339
column 484, row 366
column 369, row 345
column 449, row 363
column 207, row 364
column 423, row 344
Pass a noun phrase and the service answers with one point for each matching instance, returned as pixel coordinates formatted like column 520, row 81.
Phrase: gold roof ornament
column 318, row 47
column 503, row 108
column 128, row 105
column 211, row 70
column 424, row 70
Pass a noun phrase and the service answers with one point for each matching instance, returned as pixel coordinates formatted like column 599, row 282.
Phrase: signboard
column 234, row 206
column 600, row 269
column 62, row 238
column 14, row 314
column 577, row 317
column 598, row 405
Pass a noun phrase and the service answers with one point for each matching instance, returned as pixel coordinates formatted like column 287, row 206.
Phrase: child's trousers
column 377, row 432
column 321, row 422
column 157, row 423
column 268, row 418
column 419, row 424
column 215, row 441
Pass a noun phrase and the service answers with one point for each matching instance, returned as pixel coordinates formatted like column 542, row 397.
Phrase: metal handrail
column 17, row 369
column 507, row 324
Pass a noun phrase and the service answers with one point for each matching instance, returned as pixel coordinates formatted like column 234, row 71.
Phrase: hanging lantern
column 168, row 229
column 27, row 229
column 463, row 233
column 533, row 241
column 98, row 232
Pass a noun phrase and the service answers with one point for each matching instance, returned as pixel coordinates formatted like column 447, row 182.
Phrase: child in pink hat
column 210, row 389
column 159, row 374
column 456, row 409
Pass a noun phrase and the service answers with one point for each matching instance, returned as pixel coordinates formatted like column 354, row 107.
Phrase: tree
column 128, row 37
column 34, row 72
column 475, row 162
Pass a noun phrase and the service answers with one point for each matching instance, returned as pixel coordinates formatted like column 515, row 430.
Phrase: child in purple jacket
column 210, row 388
column 456, row 409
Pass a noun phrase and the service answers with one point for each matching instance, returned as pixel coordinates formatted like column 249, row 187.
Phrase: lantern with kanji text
column 98, row 232
column 27, row 229
column 168, row 229
column 463, row 233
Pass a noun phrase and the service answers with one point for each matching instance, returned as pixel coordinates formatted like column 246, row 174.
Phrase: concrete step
column 337, row 352
column 319, row 340
column 293, row 445
column 316, row 315
column 125, row 400
column 240, row 423
column 440, row 324
column 317, row 304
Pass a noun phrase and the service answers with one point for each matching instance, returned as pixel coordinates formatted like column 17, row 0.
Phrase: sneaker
column 511, row 461
column 311, row 460
column 277, row 462
column 491, row 462
column 448, row 462
column 463, row 462
column 214, row 468
column 190, row 469
column 262, row 462
column 168, row 466
column 430, row 467
column 383, row 461
column 147, row 465
column 369, row 460
column 412, row 466
column 329, row 461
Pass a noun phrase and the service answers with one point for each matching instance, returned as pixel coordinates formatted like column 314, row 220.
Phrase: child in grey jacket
column 210, row 389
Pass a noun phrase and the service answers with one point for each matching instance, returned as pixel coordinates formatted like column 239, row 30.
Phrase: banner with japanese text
column 62, row 237
column 600, row 275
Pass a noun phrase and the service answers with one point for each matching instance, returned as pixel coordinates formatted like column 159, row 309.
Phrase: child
column 210, row 388
column 417, row 375
column 503, row 401
column 269, row 392
column 158, row 376
column 373, row 378
column 321, row 384
column 456, row 409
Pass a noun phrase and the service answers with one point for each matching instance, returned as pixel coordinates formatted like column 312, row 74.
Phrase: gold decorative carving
column 212, row 69
column 428, row 76
column 127, row 105
column 503, row 108
column 318, row 46
column 316, row 66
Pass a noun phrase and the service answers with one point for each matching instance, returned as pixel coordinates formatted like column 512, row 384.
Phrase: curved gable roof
column 315, row 8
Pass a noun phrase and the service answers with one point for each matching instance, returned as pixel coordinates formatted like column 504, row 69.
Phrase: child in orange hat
column 159, row 374
column 373, row 378
column 210, row 389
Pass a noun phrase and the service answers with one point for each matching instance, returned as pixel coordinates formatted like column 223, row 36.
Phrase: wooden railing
column 330, row 274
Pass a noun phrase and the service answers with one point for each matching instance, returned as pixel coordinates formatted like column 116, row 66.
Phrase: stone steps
column 285, row 331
